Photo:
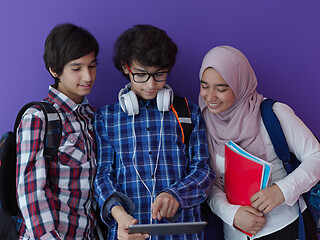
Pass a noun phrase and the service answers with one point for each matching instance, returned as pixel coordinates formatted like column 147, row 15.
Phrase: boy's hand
column 124, row 220
column 165, row 205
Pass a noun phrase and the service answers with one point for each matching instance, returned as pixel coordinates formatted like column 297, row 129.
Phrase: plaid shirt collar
column 64, row 102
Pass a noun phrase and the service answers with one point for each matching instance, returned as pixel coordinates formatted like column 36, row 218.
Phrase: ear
column 54, row 74
column 125, row 69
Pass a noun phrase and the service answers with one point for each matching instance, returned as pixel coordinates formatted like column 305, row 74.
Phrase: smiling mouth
column 85, row 85
column 151, row 92
column 214, row 105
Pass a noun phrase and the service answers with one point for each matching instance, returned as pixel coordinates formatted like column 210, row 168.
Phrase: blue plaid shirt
column 182, row 172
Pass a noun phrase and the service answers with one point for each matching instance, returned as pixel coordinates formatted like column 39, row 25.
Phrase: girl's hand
column 267, row 199
column 249, row 219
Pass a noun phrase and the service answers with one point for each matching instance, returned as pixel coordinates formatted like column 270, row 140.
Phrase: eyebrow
column 79, row 64
column 145, row 71
column 217, row 85
column 139, row 69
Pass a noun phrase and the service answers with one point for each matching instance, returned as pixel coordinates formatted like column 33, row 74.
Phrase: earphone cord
column 134, row 159
column 160, row 141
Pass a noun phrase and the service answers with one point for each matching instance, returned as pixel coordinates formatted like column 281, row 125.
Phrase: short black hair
column 146, row 44
column 67, row 42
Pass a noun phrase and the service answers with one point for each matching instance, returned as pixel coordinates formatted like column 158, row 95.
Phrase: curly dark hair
column 67, row 42
column 146, row 44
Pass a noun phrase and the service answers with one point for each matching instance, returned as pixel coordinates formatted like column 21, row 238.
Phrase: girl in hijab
column 230, row 106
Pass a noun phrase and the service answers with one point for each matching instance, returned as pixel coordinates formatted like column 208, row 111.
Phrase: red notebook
column 244, row 175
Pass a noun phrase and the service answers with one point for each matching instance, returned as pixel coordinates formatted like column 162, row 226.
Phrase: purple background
column 280, row 38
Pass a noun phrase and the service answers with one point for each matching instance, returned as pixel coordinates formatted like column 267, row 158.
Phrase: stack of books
column 245, row 175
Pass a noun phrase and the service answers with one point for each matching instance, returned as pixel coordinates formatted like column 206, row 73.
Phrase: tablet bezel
column 168, row 228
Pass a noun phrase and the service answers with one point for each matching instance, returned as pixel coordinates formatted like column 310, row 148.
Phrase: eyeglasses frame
column 149, row 75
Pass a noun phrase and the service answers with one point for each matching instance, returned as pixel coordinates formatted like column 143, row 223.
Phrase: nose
column 151, row 83
column 87, row 75
column 211, row 95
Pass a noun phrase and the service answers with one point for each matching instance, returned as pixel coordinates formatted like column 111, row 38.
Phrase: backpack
column 9, row 210
column 290, row 161
column 181, row 110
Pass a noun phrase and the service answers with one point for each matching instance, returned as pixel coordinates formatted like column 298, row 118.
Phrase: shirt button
column 150, row 152
column 148, row 129
column 147, row 107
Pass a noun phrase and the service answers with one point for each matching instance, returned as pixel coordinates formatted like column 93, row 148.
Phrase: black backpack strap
column 53, row 126
column 180, row 108
column 54, row 130
column 276, row 134
column 22, row 111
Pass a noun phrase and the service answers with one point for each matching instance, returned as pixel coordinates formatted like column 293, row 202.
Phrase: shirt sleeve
column 191, row 190
column 107, row 189
column 306, row 147
column 34, row 195
column 219, row 205
column 116, row 199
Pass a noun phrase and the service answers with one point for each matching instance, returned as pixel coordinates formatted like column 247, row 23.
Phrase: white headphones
column 129, row 101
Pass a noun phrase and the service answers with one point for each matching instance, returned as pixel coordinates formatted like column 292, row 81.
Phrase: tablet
column 168, row 228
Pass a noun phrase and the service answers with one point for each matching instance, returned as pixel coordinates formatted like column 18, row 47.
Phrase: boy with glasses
column 145, row 173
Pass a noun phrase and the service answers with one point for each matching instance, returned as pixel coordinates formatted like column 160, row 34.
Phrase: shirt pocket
column 72, row 150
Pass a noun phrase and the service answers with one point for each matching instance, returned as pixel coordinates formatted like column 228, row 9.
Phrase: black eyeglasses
column 144, row 77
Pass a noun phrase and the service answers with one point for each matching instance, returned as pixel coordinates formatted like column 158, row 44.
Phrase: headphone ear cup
column 164, row 99
column 129, row 103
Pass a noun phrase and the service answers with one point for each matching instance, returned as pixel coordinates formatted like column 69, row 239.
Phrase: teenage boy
column 145, row 173
column 56, row 197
